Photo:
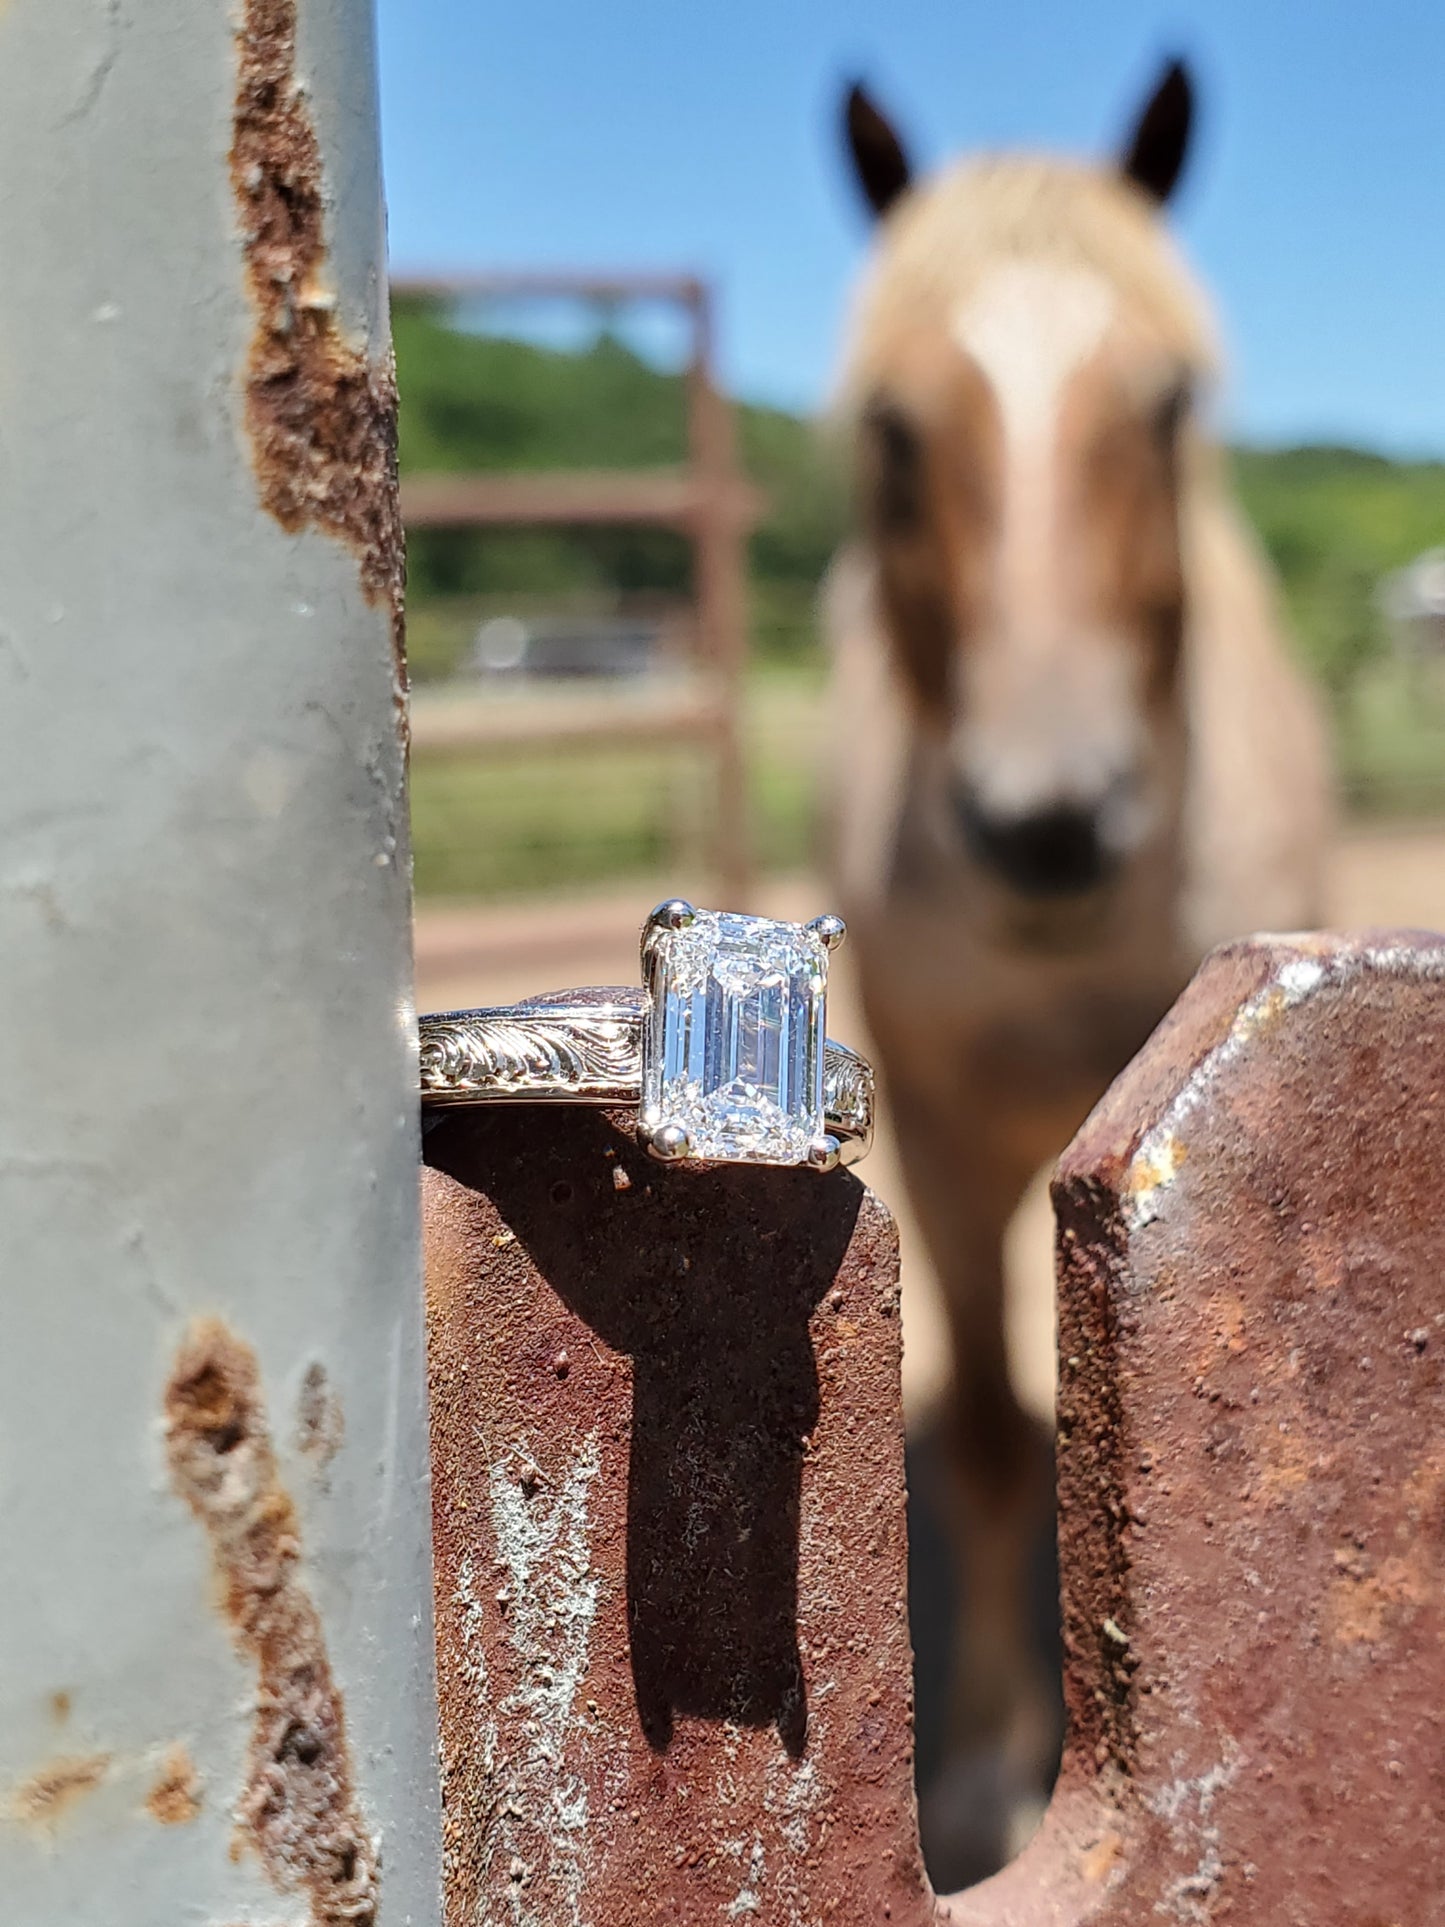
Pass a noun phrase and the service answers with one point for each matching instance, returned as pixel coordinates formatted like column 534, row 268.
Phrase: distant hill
column 1334, row 519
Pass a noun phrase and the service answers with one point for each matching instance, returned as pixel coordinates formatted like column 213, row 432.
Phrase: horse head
column 1019, row 388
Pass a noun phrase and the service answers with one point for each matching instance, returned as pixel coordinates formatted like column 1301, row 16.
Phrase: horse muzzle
column 1059, row 850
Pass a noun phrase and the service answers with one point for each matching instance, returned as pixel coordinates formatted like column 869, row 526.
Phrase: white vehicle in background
column 1413, row 599
column 513, row 646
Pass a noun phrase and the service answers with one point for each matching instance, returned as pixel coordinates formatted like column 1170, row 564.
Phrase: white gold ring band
column 721, row 1052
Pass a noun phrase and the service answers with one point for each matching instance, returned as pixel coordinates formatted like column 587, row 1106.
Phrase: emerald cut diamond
column 733, row 1037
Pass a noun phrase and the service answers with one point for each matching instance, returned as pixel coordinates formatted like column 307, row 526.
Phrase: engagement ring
column 723, row 1051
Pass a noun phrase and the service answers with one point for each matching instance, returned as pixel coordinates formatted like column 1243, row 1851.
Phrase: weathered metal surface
column 320, row 404
column 1252, row 1461
column 216, row 1686
column 668, row 1503
column 667, row 1465
column 298, row 1809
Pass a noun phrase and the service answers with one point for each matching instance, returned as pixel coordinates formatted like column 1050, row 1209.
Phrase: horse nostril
column 1051, row 852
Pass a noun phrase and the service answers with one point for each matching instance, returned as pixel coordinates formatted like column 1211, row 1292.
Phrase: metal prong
column 668, row 1142
column 829, row 929
column 676, row 914
column 823, row 1153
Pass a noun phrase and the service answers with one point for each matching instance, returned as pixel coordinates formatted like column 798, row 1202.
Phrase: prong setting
column 667, row 1142
column 675, row 914
column 824, row 1153
column 672, row 915
column 829, row 930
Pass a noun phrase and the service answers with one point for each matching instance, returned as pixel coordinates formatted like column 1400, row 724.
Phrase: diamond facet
column 733, row 1039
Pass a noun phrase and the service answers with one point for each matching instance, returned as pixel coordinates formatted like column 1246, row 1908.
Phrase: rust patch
column 47, row 1795
column 1363, row 1602
column 320, row 1422
column 320, row 413
column 298, row 1808
column 60, row 1707
column 1159, row 1166
column 1251, row 1488
column 1094, row 1443
column 1102, row 1858
column 175, row 1798
column 672, row 1641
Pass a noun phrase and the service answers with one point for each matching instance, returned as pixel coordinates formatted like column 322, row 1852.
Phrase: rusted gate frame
column 708, row 501
column 669, row 1512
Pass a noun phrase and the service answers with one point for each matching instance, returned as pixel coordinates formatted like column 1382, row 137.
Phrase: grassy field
column 573, row 820
column 576, row 819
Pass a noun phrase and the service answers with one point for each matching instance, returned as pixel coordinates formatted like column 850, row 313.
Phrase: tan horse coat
column 1000, row 1021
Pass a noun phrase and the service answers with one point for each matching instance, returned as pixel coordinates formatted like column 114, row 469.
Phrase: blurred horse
column 1068, row 751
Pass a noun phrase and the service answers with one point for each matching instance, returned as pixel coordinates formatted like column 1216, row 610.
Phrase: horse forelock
column 993, row 220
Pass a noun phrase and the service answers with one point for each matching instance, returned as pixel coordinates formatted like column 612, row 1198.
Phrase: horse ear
column 878, row 156
column 1154, row 158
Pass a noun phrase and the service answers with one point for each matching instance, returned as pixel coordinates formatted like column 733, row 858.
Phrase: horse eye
column 1170, row 410
column 896, row 492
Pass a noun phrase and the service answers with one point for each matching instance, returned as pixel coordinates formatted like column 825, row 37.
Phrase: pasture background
column 1334, row 520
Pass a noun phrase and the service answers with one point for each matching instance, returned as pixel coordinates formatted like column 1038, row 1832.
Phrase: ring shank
column 586, row 1048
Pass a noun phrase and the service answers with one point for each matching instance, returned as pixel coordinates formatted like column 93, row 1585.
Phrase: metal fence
column 543, row 699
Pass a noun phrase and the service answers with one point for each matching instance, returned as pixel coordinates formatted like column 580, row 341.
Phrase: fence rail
column 707, row 500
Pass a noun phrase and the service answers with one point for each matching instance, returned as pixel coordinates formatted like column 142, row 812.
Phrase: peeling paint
column 1294, row 980
column 792, row 1795
column 1188, row 1806
column 320, row 412
column 1156, row 1164
column 1101, row 1861
column 749, row 1897
column 1162, row 1150
column 46, row 1796
column 474, row 1661
column 542, row 1542
column 297, row 1809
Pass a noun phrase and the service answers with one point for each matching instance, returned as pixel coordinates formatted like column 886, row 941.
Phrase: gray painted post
column 216, row 1665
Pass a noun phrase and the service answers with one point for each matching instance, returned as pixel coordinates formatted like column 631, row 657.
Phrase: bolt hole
column 561, row 1192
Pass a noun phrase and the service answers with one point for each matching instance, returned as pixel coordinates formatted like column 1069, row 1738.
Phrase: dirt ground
column 1392, row 876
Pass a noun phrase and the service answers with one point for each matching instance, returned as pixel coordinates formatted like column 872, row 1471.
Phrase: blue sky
column 638, row 133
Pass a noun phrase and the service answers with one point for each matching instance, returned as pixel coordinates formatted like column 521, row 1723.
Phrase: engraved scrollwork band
column 587, row 1049
column 589, row 1054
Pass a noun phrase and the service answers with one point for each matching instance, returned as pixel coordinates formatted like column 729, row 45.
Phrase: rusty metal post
column 669, row 1526
column 668, row 1476
column 216, row 1660
column 1252, row 1460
